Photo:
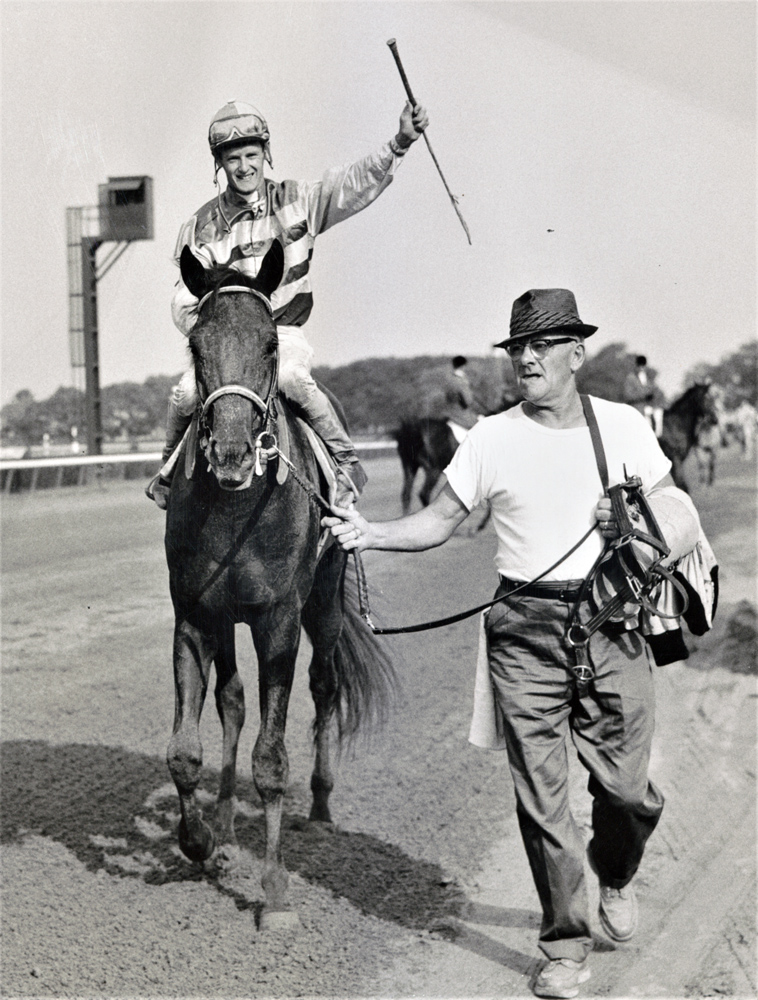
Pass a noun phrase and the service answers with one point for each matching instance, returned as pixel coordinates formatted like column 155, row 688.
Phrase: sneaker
column 618, row 912
column 561, row 978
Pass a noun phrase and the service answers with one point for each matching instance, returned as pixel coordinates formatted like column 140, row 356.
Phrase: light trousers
column 295, row 381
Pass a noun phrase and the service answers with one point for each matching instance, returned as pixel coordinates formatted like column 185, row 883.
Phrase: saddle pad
column 326, row 464
column 324, row 459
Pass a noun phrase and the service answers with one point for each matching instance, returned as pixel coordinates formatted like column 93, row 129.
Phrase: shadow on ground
column 112, row 809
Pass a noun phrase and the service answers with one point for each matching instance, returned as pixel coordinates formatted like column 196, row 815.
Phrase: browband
column 236, row 288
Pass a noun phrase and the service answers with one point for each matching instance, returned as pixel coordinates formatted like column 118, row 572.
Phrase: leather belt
column 555, row 590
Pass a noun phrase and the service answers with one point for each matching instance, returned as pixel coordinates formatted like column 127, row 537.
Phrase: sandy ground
column 423, row 888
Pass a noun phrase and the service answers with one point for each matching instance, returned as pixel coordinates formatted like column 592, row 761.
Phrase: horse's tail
column 366, row 679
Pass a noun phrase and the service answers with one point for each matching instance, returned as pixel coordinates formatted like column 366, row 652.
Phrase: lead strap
column 577, row 635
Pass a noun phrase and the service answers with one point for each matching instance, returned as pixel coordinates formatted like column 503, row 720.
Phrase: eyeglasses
column 539, row 348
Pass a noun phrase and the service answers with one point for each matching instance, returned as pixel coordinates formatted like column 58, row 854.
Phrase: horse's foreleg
column 276, row 636
column 431, row 478
column 230, row 703
column 409, row 475
column 193, row 655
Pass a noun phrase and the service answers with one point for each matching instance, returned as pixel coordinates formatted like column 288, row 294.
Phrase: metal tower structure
column 124, row 213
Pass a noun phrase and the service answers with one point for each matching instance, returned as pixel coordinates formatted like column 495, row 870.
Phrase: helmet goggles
column 235, row 122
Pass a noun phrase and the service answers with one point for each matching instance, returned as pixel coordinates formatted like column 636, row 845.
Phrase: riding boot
column 176, row 424
column 351, row 477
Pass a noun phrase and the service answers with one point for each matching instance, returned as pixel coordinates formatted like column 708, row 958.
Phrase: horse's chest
column 239, row 558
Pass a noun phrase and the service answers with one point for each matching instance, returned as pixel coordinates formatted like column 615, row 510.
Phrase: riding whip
column 393, row 49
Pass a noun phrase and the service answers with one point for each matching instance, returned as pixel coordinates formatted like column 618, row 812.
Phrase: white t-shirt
column 543, row 484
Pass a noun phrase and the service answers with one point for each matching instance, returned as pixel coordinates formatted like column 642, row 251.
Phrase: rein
column 452, row 619
column 363, row 599
column 577, row 633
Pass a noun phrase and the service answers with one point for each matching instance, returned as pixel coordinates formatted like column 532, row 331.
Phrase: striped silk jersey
column 228, row 230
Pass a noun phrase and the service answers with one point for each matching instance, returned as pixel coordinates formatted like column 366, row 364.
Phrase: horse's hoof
column 320, row 827
column 280, row 920
column 197, row 850
column 319, row 814
column 229, row 856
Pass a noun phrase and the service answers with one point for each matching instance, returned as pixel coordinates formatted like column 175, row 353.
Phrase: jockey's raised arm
column 237, row 228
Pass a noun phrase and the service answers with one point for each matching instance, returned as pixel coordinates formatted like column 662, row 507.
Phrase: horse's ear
column 272, row 268
column 194, row 274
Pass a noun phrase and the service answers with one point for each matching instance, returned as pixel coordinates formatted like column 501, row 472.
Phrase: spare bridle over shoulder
column 638, row 583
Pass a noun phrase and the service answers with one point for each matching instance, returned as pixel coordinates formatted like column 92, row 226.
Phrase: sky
column 606, row 146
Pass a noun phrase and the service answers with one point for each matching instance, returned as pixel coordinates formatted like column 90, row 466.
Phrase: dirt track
column 423, row 889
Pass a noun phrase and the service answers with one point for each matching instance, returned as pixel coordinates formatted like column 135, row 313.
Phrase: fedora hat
column 545, row 310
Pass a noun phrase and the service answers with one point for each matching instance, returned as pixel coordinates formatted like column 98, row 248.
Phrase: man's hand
column 413, row 121
column 603, row 514
column 349, row 529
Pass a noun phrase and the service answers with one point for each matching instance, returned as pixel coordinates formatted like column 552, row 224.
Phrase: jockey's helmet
column 236, row 121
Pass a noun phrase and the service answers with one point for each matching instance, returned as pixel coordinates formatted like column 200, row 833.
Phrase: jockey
column 459, row 404
column 237, row 228
column 641, row 393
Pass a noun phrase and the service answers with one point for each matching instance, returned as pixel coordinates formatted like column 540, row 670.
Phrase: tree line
column 376, row 393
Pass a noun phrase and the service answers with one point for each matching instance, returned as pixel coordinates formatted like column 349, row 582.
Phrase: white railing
column 10, row 468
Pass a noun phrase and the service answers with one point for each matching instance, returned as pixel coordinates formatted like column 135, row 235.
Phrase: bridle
column 265, row 441
column 637, row 583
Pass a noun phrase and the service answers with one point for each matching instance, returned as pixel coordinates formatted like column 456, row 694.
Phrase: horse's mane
column 695, row 392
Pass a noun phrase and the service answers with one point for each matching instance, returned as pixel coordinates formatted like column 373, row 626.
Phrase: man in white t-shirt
column 536, row 466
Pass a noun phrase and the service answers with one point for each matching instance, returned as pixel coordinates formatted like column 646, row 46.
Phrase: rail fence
column 29, row 474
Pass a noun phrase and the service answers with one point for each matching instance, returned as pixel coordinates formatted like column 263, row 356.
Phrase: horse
column 241, row 545
column 425, row 443
column 428, row 443
column 681, row 423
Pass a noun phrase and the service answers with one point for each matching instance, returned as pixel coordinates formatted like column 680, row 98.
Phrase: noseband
column 266, row 407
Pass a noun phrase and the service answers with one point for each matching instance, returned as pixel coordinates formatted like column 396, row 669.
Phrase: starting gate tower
column 124, row 213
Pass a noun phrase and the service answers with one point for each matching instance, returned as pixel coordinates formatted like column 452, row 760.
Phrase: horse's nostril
column 230, row 453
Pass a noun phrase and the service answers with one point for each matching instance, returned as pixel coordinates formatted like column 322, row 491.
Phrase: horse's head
column 707, row 400
column 234, row 348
